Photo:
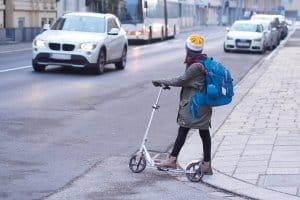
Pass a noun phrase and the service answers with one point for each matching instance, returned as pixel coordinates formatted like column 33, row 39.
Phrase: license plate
column 60, row 56
column 243, row 44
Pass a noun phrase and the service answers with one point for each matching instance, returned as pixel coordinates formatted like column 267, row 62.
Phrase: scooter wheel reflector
column 137, row 165
column 194, row 172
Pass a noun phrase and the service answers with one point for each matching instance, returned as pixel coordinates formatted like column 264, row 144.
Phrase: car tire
column 150, row 35
column 225, row 50
column 270, row 47
column 162, row 34
column 122, row 63
column 101, row 62
column 263, row 50
column 38, row 68
column 174, row 32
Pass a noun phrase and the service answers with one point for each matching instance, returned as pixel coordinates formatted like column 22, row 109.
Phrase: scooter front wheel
column 194, row 172
column 137, row 163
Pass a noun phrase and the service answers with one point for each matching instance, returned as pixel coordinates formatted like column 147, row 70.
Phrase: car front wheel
column 224, row 48
column 263, row 49
column 101, row 62
column 38, row 68
column 122, row 63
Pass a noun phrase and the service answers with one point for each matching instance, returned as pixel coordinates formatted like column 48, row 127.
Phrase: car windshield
column 80, row 23
column 246, row 27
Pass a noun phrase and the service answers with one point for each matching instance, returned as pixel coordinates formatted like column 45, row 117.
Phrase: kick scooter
column 137, row 163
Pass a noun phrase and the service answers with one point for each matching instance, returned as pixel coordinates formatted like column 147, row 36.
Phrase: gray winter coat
column 192, row 80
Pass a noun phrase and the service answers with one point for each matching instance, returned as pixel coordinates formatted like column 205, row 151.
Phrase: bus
column 149, row 20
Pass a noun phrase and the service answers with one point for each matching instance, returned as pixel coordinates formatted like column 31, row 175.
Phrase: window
column 21, row 22
column 50, row 21
column 43, row 21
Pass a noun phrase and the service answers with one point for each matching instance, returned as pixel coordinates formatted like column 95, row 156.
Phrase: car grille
column 68, row 47
column 242, row 43
column 64, row 47
column 54, row 46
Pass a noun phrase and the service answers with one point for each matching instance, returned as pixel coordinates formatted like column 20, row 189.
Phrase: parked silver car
column 272, row 34
column 81, row 39
column 275, row 20
column 245, row 35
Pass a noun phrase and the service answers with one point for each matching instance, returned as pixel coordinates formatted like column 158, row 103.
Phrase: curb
column 244, row 189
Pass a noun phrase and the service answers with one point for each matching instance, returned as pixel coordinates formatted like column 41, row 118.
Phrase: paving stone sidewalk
column 256, row 150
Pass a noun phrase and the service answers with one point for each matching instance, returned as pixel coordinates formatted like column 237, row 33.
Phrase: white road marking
column 14, row 69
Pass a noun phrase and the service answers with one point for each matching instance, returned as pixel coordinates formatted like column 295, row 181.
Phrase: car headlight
column 229, row 38
column 88, row 46
column 257, row 40
column 39, row 43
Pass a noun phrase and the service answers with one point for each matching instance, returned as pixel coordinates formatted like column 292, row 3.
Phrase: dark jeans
column 205, row 137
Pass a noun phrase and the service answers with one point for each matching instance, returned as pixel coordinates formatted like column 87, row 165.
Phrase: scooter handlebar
column 166, row 87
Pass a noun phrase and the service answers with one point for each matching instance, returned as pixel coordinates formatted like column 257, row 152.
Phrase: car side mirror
column 113, row 31
column 227, row 29
column 46, row 27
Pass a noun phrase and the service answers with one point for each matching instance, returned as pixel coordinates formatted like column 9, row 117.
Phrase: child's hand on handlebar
column 157, row 83
column 166, row 87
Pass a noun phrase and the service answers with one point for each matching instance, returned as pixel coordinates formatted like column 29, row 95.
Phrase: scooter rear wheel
column 194, row 172
column 137, row 164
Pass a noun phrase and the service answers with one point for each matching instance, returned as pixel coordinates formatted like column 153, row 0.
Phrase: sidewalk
column 256, row 149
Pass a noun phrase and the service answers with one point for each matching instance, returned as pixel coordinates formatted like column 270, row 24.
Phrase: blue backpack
column 219, row 87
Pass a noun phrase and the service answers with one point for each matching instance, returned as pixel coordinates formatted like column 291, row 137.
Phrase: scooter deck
column 167, row 169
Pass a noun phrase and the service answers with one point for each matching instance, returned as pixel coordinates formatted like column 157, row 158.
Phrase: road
column 67, row 127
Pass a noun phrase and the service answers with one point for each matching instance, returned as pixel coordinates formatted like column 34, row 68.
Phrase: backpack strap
column 202, row 68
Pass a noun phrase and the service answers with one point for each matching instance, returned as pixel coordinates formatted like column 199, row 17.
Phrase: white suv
column 81, row 40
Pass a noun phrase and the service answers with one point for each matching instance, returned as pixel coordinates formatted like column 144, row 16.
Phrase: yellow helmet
column 195, row 43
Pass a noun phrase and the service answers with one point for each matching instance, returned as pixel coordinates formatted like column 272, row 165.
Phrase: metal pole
column 166, row 18
column 224, row 13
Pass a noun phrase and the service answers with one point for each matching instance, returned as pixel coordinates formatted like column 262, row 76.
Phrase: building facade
column 2, row 9
column 291, row 9
column 66, row 6
column 243, row 9
column 23, row 19
column 2, row 30
column 262, row 6
column 29, row 13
